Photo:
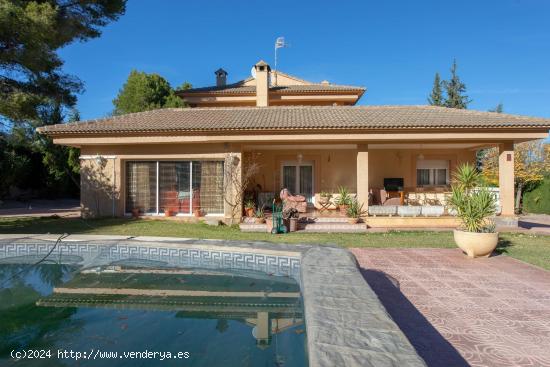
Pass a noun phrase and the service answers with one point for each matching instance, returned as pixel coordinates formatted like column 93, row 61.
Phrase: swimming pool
column 149, row 305
column 224, row 303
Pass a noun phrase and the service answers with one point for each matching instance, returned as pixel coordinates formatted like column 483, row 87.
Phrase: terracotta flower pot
column 135, row 212
column 259, row 220
column 343, row 209
column 168, row 213
column 249, row 212
column 476, row 244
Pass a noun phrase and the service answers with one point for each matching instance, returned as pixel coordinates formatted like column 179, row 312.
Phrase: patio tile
column 484, row 360
column 457, row 311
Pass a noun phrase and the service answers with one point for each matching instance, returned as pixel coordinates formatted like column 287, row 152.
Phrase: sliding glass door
column 141, row 186
column 298, row 178
column 181, row 187
column 175, row 187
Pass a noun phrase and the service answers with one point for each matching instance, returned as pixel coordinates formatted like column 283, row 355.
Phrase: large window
column 141, row 186
column 432, row 173
column 183, row 186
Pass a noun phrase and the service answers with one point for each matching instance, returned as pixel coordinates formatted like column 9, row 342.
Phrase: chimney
column 221, row 77
column 262, row 83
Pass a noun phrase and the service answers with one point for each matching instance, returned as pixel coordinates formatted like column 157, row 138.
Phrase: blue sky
column 391, row 47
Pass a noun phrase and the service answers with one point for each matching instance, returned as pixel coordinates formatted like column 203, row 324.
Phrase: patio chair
column 382, row 197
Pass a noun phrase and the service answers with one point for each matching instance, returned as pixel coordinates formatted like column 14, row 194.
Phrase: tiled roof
column 238, row 88
column 297, row 118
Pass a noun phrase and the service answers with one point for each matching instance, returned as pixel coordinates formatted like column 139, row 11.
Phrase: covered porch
column 399, row 184
column 396, row 160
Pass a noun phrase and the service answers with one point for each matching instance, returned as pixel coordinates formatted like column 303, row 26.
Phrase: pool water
column 202, row 317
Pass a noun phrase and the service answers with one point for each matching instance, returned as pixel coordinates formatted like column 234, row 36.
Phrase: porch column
column 362, row 171
column 506, row 177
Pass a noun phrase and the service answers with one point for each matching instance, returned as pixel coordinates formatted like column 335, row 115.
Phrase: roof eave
column 329, row 130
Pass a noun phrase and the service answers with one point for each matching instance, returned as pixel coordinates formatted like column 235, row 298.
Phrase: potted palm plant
column 474, row 205
column 344, row 200
column 354, row 212
column 259, row 216
column 249, row 208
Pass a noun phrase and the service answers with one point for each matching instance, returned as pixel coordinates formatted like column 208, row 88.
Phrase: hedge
column 538, row 199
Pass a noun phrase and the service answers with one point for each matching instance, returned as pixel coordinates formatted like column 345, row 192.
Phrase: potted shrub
column 249, row 208
column 259, row 216
column 324, row 197
column 344, row 200
column 474, row 205
column 354, row 212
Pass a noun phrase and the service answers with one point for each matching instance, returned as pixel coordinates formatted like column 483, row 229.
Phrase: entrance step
column 339, row 227
column 250, row 220
column 314, row 227
column 253, row 227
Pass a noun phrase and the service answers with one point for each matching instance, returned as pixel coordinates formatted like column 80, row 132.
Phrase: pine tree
column 455, row 90
column 436, row 97
column 31, row 35
column 143, row 92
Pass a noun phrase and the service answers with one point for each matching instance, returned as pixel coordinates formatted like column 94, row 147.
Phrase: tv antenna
column 279, row 43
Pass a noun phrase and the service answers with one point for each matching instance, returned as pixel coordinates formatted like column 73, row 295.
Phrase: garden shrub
column 538, row 199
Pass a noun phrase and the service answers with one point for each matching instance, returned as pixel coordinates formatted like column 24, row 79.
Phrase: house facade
column 306, row 137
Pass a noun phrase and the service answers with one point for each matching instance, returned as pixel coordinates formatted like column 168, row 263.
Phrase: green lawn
column 534, row 249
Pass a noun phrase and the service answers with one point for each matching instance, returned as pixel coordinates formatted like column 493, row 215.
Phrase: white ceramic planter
column 409, row 211
column 476, row 244
column 433, row 211
column 384, row 210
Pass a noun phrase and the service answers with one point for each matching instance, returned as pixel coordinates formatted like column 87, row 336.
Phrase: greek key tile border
column 104, row 254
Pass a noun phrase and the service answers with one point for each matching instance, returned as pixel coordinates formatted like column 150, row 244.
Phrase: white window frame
column 432, row 165
column 298, row 164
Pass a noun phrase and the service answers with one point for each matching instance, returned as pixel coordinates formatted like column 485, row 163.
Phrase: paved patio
column 460, row 312
column 67, row 208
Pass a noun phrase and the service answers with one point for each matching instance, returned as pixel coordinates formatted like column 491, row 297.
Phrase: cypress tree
column 455, row 90
column 436, row 97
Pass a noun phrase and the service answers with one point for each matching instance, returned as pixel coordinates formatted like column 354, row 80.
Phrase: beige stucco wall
column 338, row 167
column 99, row 196
column 331, row 168
column 99, row 181
column 402, row 163
column 105, row 182
column 282, row 79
